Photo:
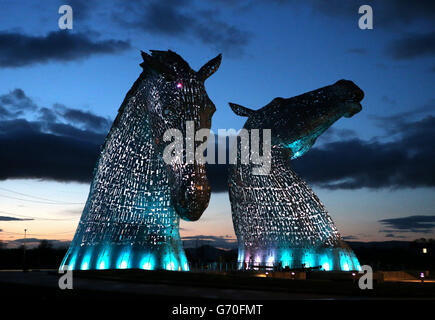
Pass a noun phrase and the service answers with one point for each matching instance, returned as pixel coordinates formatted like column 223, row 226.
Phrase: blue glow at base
column 72, row 262
column 326, row 259
column 356, row 263
column 124, row 259
column 345, row 262
column 286, row 259
column 169, row 262
column 326, row 262
column 86, row 260
column 184, row 264
column 308, row 259
column 104, row 259
column 147, row 262
column 240, row 255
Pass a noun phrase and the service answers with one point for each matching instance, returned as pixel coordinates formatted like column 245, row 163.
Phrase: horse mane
column 124, row 103
column 168, row 59
column 171, row 60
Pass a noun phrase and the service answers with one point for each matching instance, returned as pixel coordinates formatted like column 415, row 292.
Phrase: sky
column 60, row 91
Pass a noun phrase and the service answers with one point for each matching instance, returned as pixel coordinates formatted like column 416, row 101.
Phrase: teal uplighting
column 308, row 259
column 184, row 263
column 170, row 263
column 72, row 262
column 147, row 262
column 286, row 259
column 62, row 264
column 86, row 260
column 104, row 259
column 326, row 262
column 241, row 255
column 356, row 263
column 124, row 259
column 345, row 262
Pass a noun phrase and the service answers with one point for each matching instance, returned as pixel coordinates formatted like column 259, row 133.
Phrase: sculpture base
column 117, row 256
column 326, row 259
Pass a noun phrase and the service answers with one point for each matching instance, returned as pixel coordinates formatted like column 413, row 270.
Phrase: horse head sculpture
column 278, row 219
column 136, row 199
column 297, row 122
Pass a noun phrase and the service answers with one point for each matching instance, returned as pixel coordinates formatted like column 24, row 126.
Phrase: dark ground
column 127, row 285
column 154, row 284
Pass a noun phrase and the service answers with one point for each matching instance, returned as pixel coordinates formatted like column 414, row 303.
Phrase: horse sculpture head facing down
column 176, row 97
column 136, row 199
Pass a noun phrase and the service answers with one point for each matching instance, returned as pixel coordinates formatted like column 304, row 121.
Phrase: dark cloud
column 182, row 19
column 17, row 99
column 420, row 224
column 334, row 134
column 402, row 12
column 167, row 17
column 394, row 123
column 386, row 13
column 18, row 125
column 405, row 162
column 413, row 46
column 69, row 154
column 343, row 161
column 4, row 218
column 14, row 104
column 84, row 119
column 50, row 149
column 47, row 115
column 18, row 50
column 68, row 130
column 32, row 154
column 67, row 151
column 394, row 15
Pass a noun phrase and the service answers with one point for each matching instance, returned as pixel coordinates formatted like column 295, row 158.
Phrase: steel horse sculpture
column 131, row 218
column 277, row 218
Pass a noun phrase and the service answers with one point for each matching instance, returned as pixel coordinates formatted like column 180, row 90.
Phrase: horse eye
column 179, row 85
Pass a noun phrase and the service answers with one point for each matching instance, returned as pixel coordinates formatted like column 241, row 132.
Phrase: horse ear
column 241, row 110
column 150, row 63
column 210, row 67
